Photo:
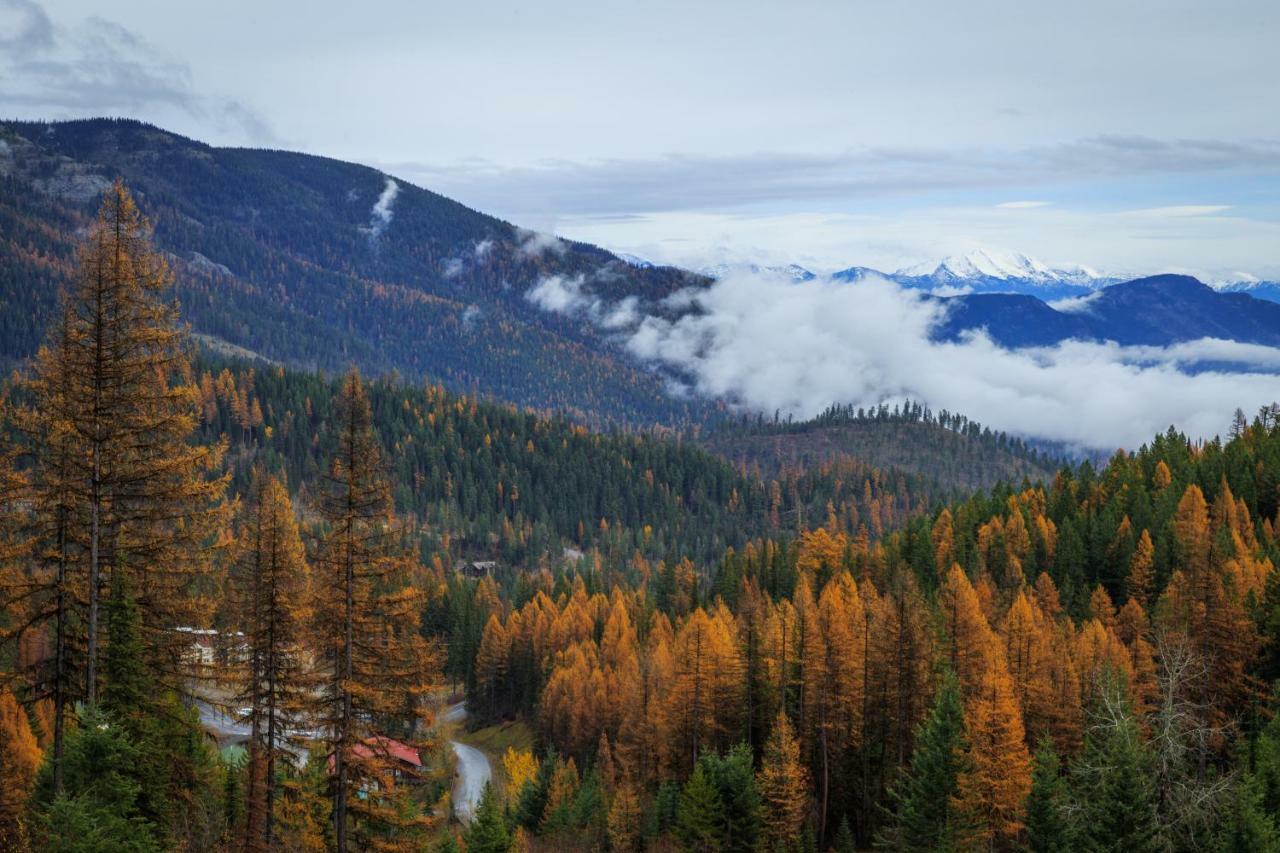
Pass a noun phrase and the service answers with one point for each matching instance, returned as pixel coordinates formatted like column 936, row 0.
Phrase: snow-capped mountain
column 994, row 271
column 794, row 272
column 988, row 270
column 1250, row 284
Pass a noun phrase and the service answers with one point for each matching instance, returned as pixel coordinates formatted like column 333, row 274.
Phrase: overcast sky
column 1130, row 136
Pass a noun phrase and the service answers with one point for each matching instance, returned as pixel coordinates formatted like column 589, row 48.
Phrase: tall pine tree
column 378, row 667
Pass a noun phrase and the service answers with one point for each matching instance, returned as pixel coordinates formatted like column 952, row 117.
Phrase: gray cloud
column 24, row 28
column 608, row 187
column 100, row 67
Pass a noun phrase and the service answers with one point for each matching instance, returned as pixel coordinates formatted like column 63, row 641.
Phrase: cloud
column 1023, row 205
column 24, row 28
column 380, row 216
column 470, row 316
column 452, row 268
column 1075, row 304
column 1122, row 241
column 535, row 243
column 482, row 249
column 765, row 343
column 1180, row 210
column 609, row 186
column 99, row 67
column 561, row 295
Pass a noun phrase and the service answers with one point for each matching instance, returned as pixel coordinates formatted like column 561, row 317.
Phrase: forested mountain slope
column 320, row 263
column 949, row 449
column 508, row 483
column 1041, row 658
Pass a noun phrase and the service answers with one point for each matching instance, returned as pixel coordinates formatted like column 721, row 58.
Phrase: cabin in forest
column 476, row 568
column 406, row 762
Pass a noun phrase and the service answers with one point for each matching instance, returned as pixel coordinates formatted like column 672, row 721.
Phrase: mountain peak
column 986, row 263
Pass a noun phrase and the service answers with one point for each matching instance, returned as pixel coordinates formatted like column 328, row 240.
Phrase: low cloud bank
column 769, row 344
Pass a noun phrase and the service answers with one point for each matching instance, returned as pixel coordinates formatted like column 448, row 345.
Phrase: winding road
column 474, row 770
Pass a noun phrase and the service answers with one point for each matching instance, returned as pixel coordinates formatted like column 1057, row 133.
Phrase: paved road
column 474, row 770
column 226, row 727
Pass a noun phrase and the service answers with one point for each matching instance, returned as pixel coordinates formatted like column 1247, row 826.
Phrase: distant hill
column 320, row 263
column 1155, row 311
column 960, row 456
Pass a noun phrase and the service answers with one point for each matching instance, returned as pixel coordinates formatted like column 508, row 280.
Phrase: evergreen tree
column 99, row 807
column 699, row 817
column 1047, row 828
column 488, row 831
column 531, row 802
column 1112, row 779
column 925, row 816
column 448, row 844
column 1247, row 827
column 844, row 842
column 734, row 779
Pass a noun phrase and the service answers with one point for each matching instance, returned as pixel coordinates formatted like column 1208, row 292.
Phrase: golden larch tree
column 783, row 782
column 268, row 592
column 116, row 481
column 377, row 666
column 994, row 788
column 19, row 758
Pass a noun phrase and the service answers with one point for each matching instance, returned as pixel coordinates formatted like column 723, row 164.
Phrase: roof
column 381, row 745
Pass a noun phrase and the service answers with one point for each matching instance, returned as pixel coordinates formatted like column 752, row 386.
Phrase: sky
column 1128, row 136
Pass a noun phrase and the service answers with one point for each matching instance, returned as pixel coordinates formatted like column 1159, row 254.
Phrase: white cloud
column 380, row 216
column 1075, row 304
column 1120, row 241
column 561, row 295
column 534, row 243
column 1023, row 205
column 470, row 316
column 768, row 345
column 1181, row 210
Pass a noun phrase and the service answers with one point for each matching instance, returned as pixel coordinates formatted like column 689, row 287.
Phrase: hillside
column 505, row 483
column 319, row 263
column 959, row 455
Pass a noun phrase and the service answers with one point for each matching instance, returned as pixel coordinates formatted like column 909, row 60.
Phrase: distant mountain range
column 992, row 271
column 1155, row 311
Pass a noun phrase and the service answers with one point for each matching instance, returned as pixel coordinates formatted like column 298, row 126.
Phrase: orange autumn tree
column 1142, row 569
column 116, row 485
column 377, row 667
column 969, row 637
column 703, row 701
column 994, row 788
column 269, row 595
column 19, row 758
column 842, row 624
column 783, row 783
